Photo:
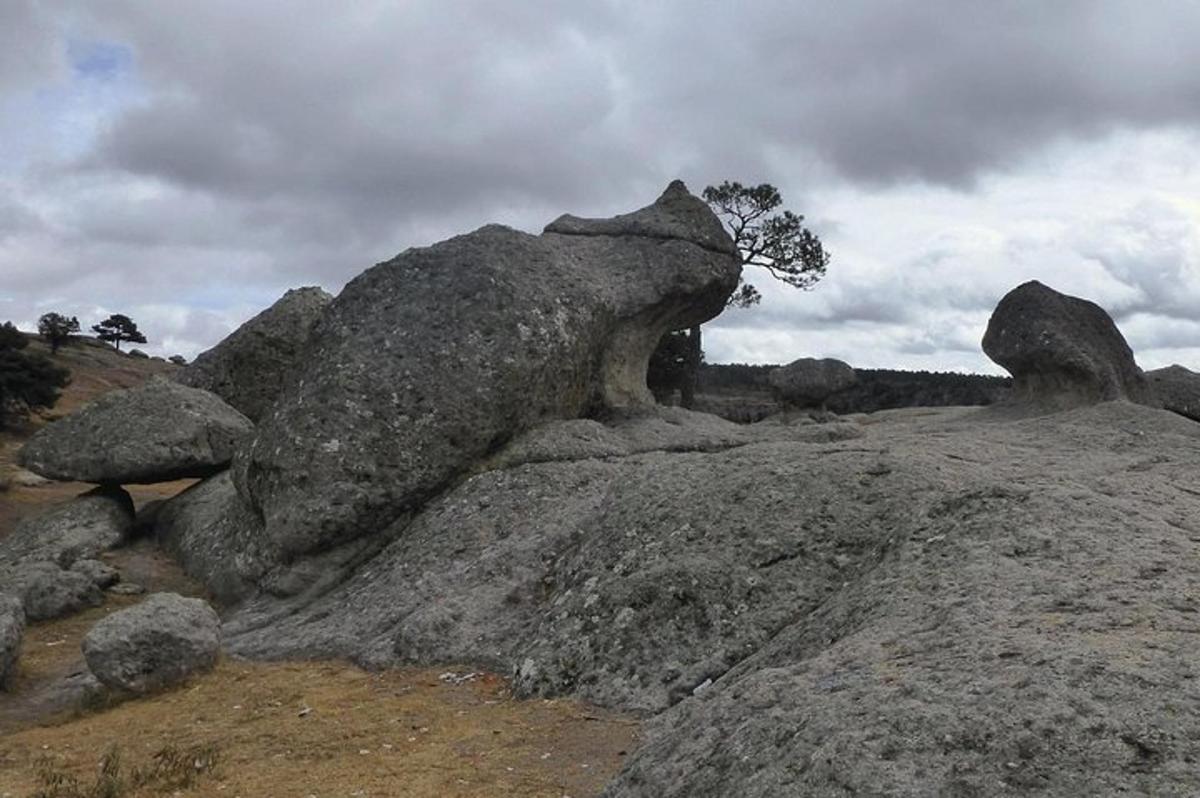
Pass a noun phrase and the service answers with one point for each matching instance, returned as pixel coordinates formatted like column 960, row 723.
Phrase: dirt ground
column 279, row 729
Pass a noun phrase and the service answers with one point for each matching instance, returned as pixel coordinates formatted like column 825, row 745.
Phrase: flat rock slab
column 12, row 628
column 248, row 368
column 156, row 432
column 154, row 644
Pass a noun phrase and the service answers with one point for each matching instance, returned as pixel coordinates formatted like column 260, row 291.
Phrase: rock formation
column 248, row 368
column 12, row 629
column 1061, row 350
column 808, row 382
column 1178, row 389
column 48, row 560
column 154, row 644
column 428, row 362
column 77, row 530
column 155, row 432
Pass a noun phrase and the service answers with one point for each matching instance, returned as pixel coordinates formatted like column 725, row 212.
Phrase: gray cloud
column 257, row 146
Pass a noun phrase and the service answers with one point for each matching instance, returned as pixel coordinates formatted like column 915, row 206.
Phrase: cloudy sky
column 186, row 162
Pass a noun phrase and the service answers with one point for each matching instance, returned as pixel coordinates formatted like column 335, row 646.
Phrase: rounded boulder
column 155, row 644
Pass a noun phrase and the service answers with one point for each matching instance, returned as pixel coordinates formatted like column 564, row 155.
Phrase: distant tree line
column 877, row 389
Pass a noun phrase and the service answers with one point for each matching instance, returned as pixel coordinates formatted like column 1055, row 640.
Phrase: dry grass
column 333, row 729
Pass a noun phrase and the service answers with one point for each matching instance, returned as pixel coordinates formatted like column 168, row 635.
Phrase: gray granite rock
column 1061, row 350
column 154, row 644
column 249, row 367
column 48, row 591
column 808, row 382
column 1178, row 389
column 81, row 528
column 427, row 363
column 12, row 629
column 156, row 432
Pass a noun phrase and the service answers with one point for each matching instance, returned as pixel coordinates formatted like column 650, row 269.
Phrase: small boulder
column 1178, row 389
column 48, row 591
column 248, row 368
column 1061, row 350
column 12, row 628
column 154, row 644
column 156, row 432
column 808, row 382
column 138, row 354
column 82, row 528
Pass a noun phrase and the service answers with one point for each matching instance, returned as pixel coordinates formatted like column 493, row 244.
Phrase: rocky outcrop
column 12, row 629
column 155, row 432
column 427, row 363
column 1061, row 350
column 154, row 644
column 1178, row 389
column 817, row 617
column 808, row 382
column 248, row 368
column 80, row 529
column 48, row 561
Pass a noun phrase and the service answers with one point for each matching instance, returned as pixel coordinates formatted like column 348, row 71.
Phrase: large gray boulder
column 12, row 628
column 209, row 531
column 808, row 382
column 1061, row 350
column 156, row 432
column 425, row 364
column 79, row 529
column 1178, row 389
column 154, row 644
column 248, row 368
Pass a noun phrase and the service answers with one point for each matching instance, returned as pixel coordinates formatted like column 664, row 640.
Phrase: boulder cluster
column 457, row 459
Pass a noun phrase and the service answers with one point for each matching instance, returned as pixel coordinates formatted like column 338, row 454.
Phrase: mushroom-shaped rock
column 79, row 529
column 1178, row 389
column 154, row 644
column 1061, row 350
column 12, row 628
column 248, row 368
column 156, row 432
column 425, row 364
column 808, row 382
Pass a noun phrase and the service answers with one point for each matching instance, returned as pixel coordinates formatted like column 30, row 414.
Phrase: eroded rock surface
column 248, row 368
column 1061, row 350
column 427, row 363
column 154, row 644
column 156, row 432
